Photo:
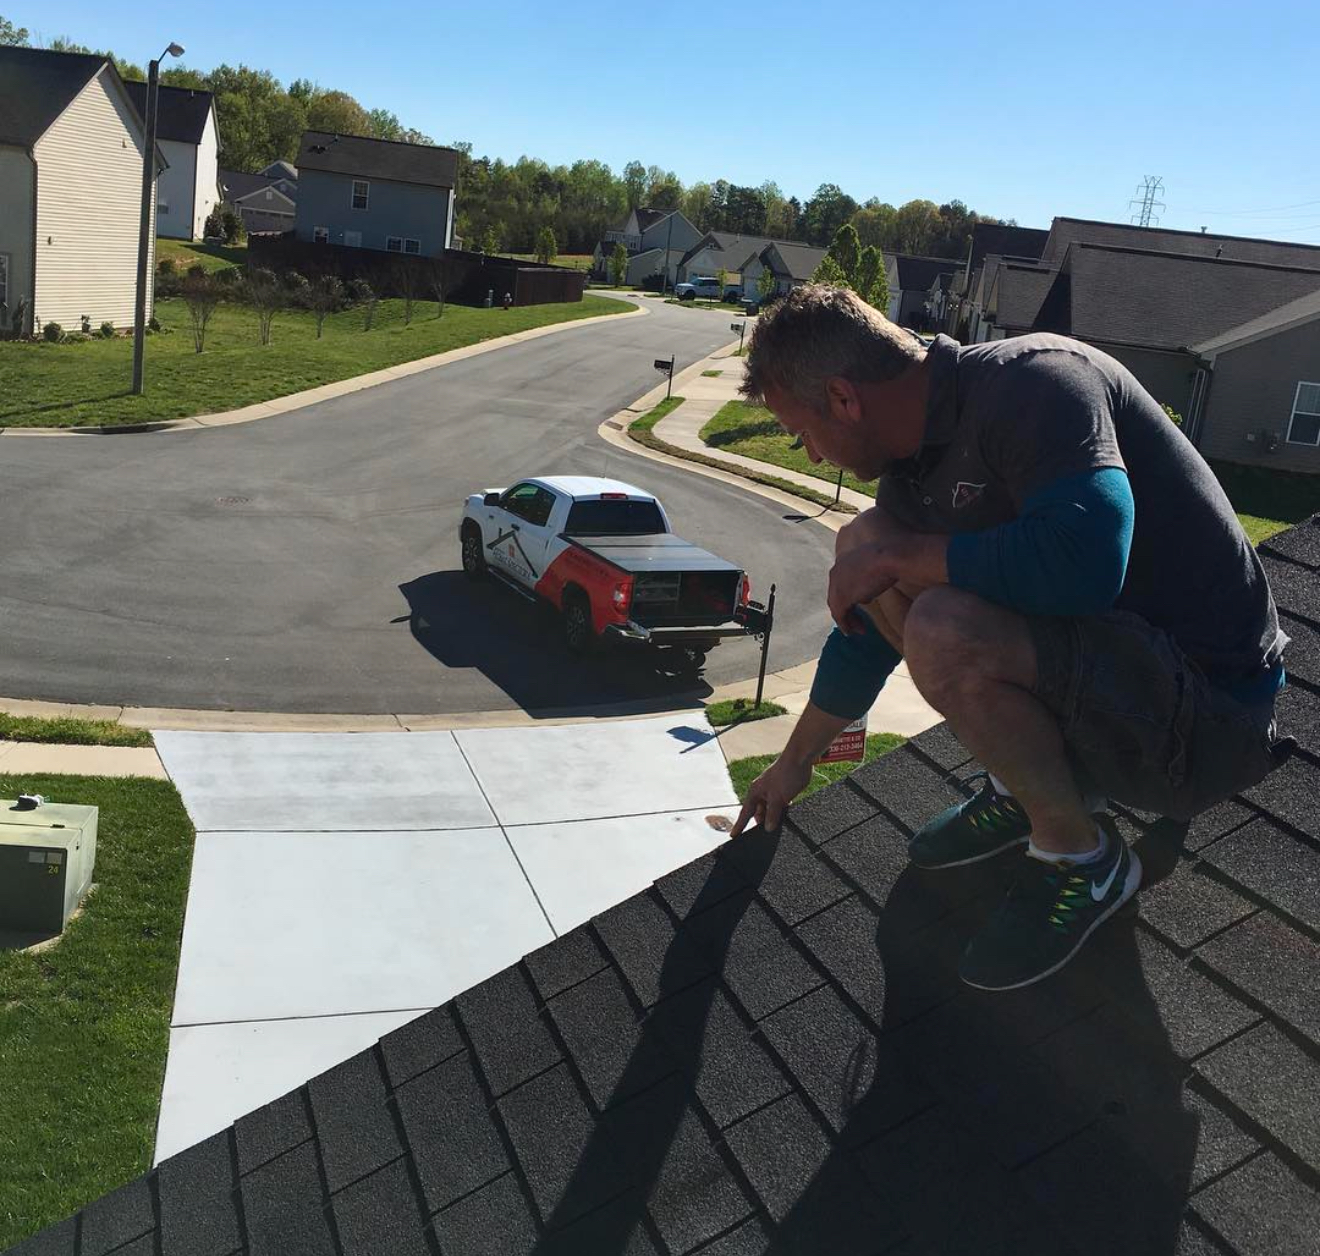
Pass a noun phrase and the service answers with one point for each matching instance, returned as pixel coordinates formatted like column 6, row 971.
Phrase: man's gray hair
column 818, row 332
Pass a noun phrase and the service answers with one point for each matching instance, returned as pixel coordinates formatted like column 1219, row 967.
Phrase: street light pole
column 144, row 222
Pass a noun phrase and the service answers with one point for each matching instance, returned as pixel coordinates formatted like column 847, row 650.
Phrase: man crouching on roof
column 1066, row 582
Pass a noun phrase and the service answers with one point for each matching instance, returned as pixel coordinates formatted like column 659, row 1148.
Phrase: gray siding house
column 71, row 145
column 375, row 194
column 655, row 240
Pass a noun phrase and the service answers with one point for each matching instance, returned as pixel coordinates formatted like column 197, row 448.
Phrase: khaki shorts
column 1141, row 723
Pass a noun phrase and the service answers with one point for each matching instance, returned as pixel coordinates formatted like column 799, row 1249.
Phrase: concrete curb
column 325, row 392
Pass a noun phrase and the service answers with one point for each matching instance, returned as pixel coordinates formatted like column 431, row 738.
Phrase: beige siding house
column 70, row 135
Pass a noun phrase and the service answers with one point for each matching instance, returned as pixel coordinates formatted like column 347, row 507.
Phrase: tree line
column 505, row 206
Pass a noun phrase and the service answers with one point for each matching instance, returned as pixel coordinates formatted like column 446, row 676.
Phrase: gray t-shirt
column 1009, row 417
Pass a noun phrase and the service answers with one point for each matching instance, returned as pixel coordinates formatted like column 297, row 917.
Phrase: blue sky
column 1024, row 110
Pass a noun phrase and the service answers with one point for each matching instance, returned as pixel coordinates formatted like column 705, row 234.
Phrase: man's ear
column 845, row 401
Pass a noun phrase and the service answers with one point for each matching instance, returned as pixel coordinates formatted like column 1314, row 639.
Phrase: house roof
column 1018, row 294
column 769, row 1050
column 364, row 158
column 918, row 273
column 992, row 237
column 736, row 246
column 798, row 261
column 1067, row 231
column 647, row 218
column 183, row 111
column 281, row 170
column 36, row 86
column 1282, row 318
column 1154, row 300
column 238, row 185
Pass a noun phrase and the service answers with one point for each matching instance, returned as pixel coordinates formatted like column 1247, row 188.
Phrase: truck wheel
column 579, row 635
column 474, row 558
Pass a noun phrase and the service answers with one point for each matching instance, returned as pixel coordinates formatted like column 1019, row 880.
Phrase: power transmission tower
column 1146, row 201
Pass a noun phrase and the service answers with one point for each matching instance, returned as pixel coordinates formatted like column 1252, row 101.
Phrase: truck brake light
column 622, row 595
column 614, row 497
column 745, row 592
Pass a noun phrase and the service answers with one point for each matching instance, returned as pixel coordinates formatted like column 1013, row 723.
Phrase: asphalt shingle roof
column 183, row 111
column 991, row 237
column 1019, row 291
column 769, row 1051
column 800, row 259
column 916, row 274
column 238, row 184
column 1164, row 300
column 1068, row 231
column 365, row 158
column 36, row 86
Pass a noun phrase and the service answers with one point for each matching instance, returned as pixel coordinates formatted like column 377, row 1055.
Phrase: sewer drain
column 232, row 501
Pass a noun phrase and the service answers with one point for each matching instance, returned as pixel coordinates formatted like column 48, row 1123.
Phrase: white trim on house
column 412, row 247
column 393, row 244
column 365, row 185
column 1312, row 412
column 270, row 193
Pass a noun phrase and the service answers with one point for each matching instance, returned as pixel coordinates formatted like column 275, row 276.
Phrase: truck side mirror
column 491, row 499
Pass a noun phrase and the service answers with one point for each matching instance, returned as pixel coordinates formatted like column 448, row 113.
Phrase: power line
column 1146, row 201
column 1246, row 213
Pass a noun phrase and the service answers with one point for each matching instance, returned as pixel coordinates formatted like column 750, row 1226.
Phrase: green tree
column 722, row 278
column 384, row 125
column 766, row 283
column 618, row 264
column 12, row 36
column 846, row 252
column 182, row 76
column 546, row 247
column 829, row 272
column 491, row 238
column 918, row 225
column 338, row 113
column 634, row 182
column 872, row 279
column 826, row 212
column 877, row 224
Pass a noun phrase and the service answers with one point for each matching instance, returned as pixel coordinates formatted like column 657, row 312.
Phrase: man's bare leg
column 975, row 663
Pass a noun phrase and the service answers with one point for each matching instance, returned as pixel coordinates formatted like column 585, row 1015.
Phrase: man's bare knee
column 955, row 641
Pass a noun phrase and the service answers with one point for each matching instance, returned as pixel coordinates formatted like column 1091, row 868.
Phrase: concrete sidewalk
column 19, row 758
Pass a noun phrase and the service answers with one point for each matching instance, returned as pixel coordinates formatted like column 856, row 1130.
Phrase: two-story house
column 375, row 194
column 189, row 187
column 656, row 241
column 71, row 150
column 265, row 201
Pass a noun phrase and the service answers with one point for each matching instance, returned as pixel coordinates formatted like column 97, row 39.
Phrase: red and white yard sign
column 848, row 746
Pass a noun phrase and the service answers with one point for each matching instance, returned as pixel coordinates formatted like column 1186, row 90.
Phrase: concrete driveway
column 309, row 562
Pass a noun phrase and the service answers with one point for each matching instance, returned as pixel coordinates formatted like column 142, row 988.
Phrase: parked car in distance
column 603, row 555
column 708, row 288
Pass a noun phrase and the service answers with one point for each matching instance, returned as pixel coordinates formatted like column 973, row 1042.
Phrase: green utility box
column 47, row 853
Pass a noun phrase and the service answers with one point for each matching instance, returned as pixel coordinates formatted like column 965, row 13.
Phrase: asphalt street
column 309, row 562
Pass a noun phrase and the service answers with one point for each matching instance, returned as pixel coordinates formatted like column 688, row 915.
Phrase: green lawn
column 71, row 732
column 640, row 431
column 1268, row 501
column 753, row 432
column 744, row 771
column 84, row 1026
column 697, row 303
column 741, row 711
column 574, row 261
column 87, row 383
column 184, row 253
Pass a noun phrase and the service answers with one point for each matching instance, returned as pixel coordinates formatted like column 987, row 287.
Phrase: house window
column 162, row 207
column 394, row 244
column 412, row 246
column 361, row 188
column 320, row 235
column 1304, row 426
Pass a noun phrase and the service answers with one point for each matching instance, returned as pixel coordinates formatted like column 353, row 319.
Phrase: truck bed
column 662, row 552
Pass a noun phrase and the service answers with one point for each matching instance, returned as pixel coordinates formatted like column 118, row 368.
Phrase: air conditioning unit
column 47, row 853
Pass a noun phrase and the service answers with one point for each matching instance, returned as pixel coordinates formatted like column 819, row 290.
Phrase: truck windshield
column 614, row 518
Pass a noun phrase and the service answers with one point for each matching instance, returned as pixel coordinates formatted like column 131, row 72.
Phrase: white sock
column 1085, row 857
column 1092, row 802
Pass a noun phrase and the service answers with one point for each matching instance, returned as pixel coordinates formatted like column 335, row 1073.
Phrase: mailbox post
column 667, row 366
column 740, row 328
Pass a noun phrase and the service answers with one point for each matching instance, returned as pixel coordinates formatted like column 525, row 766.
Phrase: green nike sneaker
column 977, row 829
column 1048, row 913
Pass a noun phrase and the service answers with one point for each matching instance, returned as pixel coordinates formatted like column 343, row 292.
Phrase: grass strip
column 68, row 731
column 744, row 771
column 640, row 431
column 753, row 432
column 86, row 383
column 84, row 1025
column 741, row 711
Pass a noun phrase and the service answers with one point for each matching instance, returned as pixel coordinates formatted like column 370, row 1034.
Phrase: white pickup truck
column 603, row 555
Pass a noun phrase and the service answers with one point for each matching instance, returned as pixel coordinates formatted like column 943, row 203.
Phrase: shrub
column 107, row 331
column 52, row 333
column 229, row 277
column 85, row 322
column 202, row 293
column 232, row 226
column 165, row 266
column 215, row 223
column 324, row 297
column 265, row 295
column 297, row 285
column 153, row 323
column 359, row 292
column 197, row 271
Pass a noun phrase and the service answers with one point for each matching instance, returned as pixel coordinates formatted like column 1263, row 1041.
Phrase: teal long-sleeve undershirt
column 1065, row 554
